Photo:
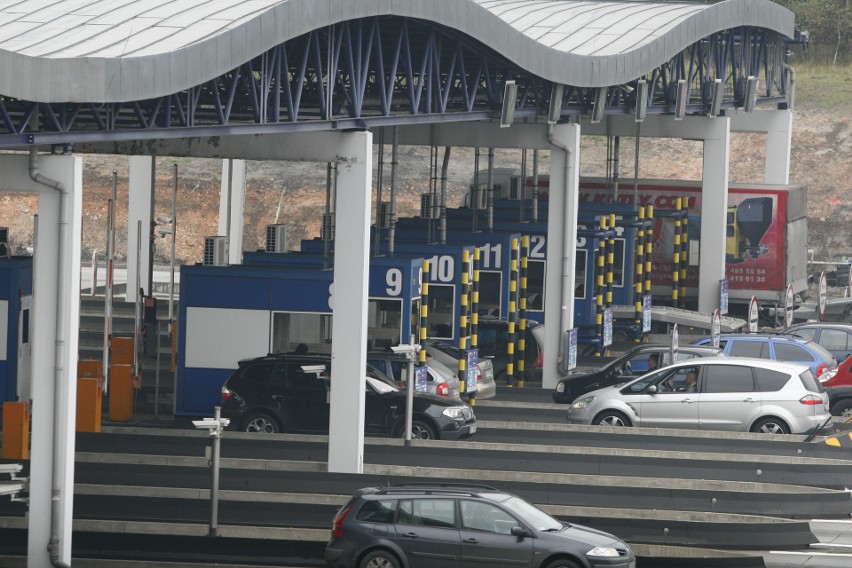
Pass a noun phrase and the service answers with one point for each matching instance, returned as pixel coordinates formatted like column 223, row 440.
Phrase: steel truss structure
column 392, row 70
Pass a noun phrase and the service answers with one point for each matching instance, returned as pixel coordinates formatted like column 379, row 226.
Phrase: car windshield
column 531, row 515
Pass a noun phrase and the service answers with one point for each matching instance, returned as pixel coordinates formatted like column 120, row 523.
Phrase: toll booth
column 495, row 260
column 445, row 280
column 229, row 313
column 16, row 295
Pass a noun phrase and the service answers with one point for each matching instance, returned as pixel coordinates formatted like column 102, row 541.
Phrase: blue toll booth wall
column 444, row 278
column 495, row 261
column 230, row 313
column 16, row 289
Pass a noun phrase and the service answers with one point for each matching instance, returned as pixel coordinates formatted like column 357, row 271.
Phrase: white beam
column 778, row 127
column 140, row 207
column 56, row 314
column 714, row 211
column 561, row 247
column 232, row 200
column 354, row 154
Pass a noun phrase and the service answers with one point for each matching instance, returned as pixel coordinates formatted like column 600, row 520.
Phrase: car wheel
column 612, row 418
column 842, row 408
column 380, row 559
column 260, row 422
column 562, row 563
column 419, row 431
column 770, row 426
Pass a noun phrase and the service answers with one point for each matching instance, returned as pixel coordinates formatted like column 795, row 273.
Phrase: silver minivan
column 746, row 395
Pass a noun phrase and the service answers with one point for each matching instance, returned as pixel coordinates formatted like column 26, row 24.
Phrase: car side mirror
column 652, row 389
column 520, row 532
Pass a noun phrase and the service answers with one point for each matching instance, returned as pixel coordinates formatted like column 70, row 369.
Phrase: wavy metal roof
column 120, row 50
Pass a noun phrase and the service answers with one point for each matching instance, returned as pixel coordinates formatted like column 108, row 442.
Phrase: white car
column 449, row 357
column 738, row 394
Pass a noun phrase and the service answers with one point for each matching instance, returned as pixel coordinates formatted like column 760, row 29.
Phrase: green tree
column 829, row 25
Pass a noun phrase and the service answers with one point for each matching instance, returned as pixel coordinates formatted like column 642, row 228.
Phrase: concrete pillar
column 140, row 207
column 56, row 314
column 232, row 198
column 714, row 211
column 349, row 302
column 561, row 247
column 778, row 127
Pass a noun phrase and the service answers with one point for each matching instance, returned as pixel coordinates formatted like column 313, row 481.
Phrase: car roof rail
column 434, row 485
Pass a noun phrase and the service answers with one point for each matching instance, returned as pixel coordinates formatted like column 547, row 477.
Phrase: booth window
column 289, row 329
column 441, row 310
column 618, row 263
column 384, row 323
column 535, row 285
column 580, row 274
column 490, row 288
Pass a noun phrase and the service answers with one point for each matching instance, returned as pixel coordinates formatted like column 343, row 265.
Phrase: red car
column 839, row 376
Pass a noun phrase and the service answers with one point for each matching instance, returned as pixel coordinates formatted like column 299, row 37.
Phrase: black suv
column 493, row 339
column 436, row 525
column 289, row 392
column 629, row 366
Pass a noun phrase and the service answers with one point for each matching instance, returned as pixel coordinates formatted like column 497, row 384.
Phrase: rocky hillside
column 294, row 193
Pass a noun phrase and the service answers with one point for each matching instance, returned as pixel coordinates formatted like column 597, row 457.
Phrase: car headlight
column 560, row 387
column 602, row 551
column 454, row 412
column 583, row 402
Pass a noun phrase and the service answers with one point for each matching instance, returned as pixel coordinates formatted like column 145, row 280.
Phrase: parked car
column 422, row 524
column 284, row 393
column 839, row 376
column 836, row 338
column 777, row 348
column 739, row 394
column 629, row 366
column 493, row 342
column 840, row 401
column 449, row 356
column 440, row 380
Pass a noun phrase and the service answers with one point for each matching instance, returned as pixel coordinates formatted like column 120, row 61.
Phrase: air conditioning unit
column 327, row 233
column 4, row 243
column 215, row 251
column 276, row 238
column 428, row 209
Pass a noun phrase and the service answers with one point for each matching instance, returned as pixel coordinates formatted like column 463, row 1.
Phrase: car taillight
column 478, row 375
column 823, row 367
column 337, row 523
column 225, row 394
column 811, row 400
column 442, row 390
column 539, row 361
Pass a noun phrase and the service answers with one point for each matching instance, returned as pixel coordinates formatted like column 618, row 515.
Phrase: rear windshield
column 810, row 382
column 822, row 353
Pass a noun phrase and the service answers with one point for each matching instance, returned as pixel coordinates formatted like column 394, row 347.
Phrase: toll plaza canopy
column 110, row 69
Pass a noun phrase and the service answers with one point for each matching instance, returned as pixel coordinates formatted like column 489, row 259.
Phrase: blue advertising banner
column 572, row 348
column 472, row 364
column 421, row 375
column 607, row 327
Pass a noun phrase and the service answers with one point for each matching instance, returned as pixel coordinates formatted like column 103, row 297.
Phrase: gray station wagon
column 439, row 525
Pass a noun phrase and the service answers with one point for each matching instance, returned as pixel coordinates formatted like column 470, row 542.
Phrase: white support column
column 714, row 211
column 349, row 308
column 561, row 246
column 140, row 206
column 232, row 199
column 778, row 127
column 56, row 314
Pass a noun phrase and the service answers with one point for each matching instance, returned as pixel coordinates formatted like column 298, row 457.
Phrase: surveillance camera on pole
column 215, row 426
column 410, row 351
